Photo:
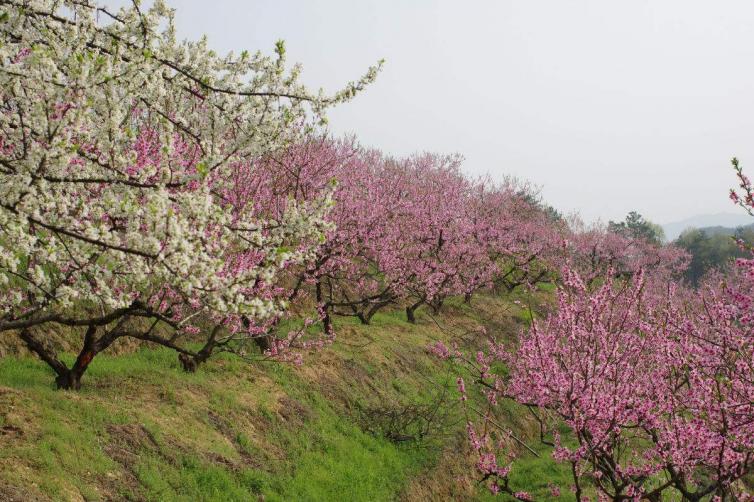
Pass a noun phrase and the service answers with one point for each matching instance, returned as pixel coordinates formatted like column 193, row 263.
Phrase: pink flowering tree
column 531, row 254
column 346, row 275
column 437, row 232
column 117, row 145
column 488, row 211
column 656, row 391
column 353, row 274
column 594, row 251
column 302, row 174
column 643, row 387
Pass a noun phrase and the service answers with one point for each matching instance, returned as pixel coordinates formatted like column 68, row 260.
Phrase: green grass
column 326, row 456
column 338, row 461
column 141, row 428
column 189, row 479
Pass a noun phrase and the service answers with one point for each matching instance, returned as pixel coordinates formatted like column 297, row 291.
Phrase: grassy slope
column 142, row 429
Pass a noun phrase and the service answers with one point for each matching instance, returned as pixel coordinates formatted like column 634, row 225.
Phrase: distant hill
column 724, row 223
column 720, row 230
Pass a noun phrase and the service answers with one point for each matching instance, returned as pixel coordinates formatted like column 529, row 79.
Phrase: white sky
column 609, row 105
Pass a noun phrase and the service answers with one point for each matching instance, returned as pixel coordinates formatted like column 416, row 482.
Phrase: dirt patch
column 15, row 424
column 11, row 430
column 339, row 380
column 451, row 479
column 224, row 428
column 293, row 411
column 127, row 443
column 225, row 462
column 10, row 493
column 229, row 433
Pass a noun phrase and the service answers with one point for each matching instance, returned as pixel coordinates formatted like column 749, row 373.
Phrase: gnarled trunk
column 367, row 317
column 436, row 305
column 410, row 311
column 70, row 378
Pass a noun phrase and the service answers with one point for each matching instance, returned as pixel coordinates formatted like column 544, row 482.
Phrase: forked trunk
column 69, row 378
column 411, row 310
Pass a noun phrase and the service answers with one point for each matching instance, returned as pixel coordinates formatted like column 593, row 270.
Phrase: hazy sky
column 609, row 106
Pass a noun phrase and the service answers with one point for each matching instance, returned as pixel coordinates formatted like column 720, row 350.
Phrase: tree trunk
column 410, row 315
column 437, row 306
column 411, row 309
column 91, row 348
column 191, row 362
column 68, row 378
column 263, row 342
column 326, row 321
column 376, row 307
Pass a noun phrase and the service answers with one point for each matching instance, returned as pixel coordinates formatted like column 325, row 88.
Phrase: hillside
column 726, row 231
column 142, row 429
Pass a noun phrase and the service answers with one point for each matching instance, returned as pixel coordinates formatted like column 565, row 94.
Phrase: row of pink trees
column 155, row 190
column 410, row 231
column 152, row 189
column 415, row 231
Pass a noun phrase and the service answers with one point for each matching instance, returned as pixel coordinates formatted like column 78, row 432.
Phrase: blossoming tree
column 117, row 145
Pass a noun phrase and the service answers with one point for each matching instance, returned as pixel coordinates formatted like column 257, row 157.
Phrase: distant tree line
column 712, row 249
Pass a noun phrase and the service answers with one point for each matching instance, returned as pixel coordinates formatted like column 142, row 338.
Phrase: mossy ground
column 142, row 429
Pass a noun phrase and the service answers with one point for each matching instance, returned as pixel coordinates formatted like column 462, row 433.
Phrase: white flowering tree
column 118, row 144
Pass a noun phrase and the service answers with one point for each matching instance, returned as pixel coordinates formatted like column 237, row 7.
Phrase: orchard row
column 152, row 189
